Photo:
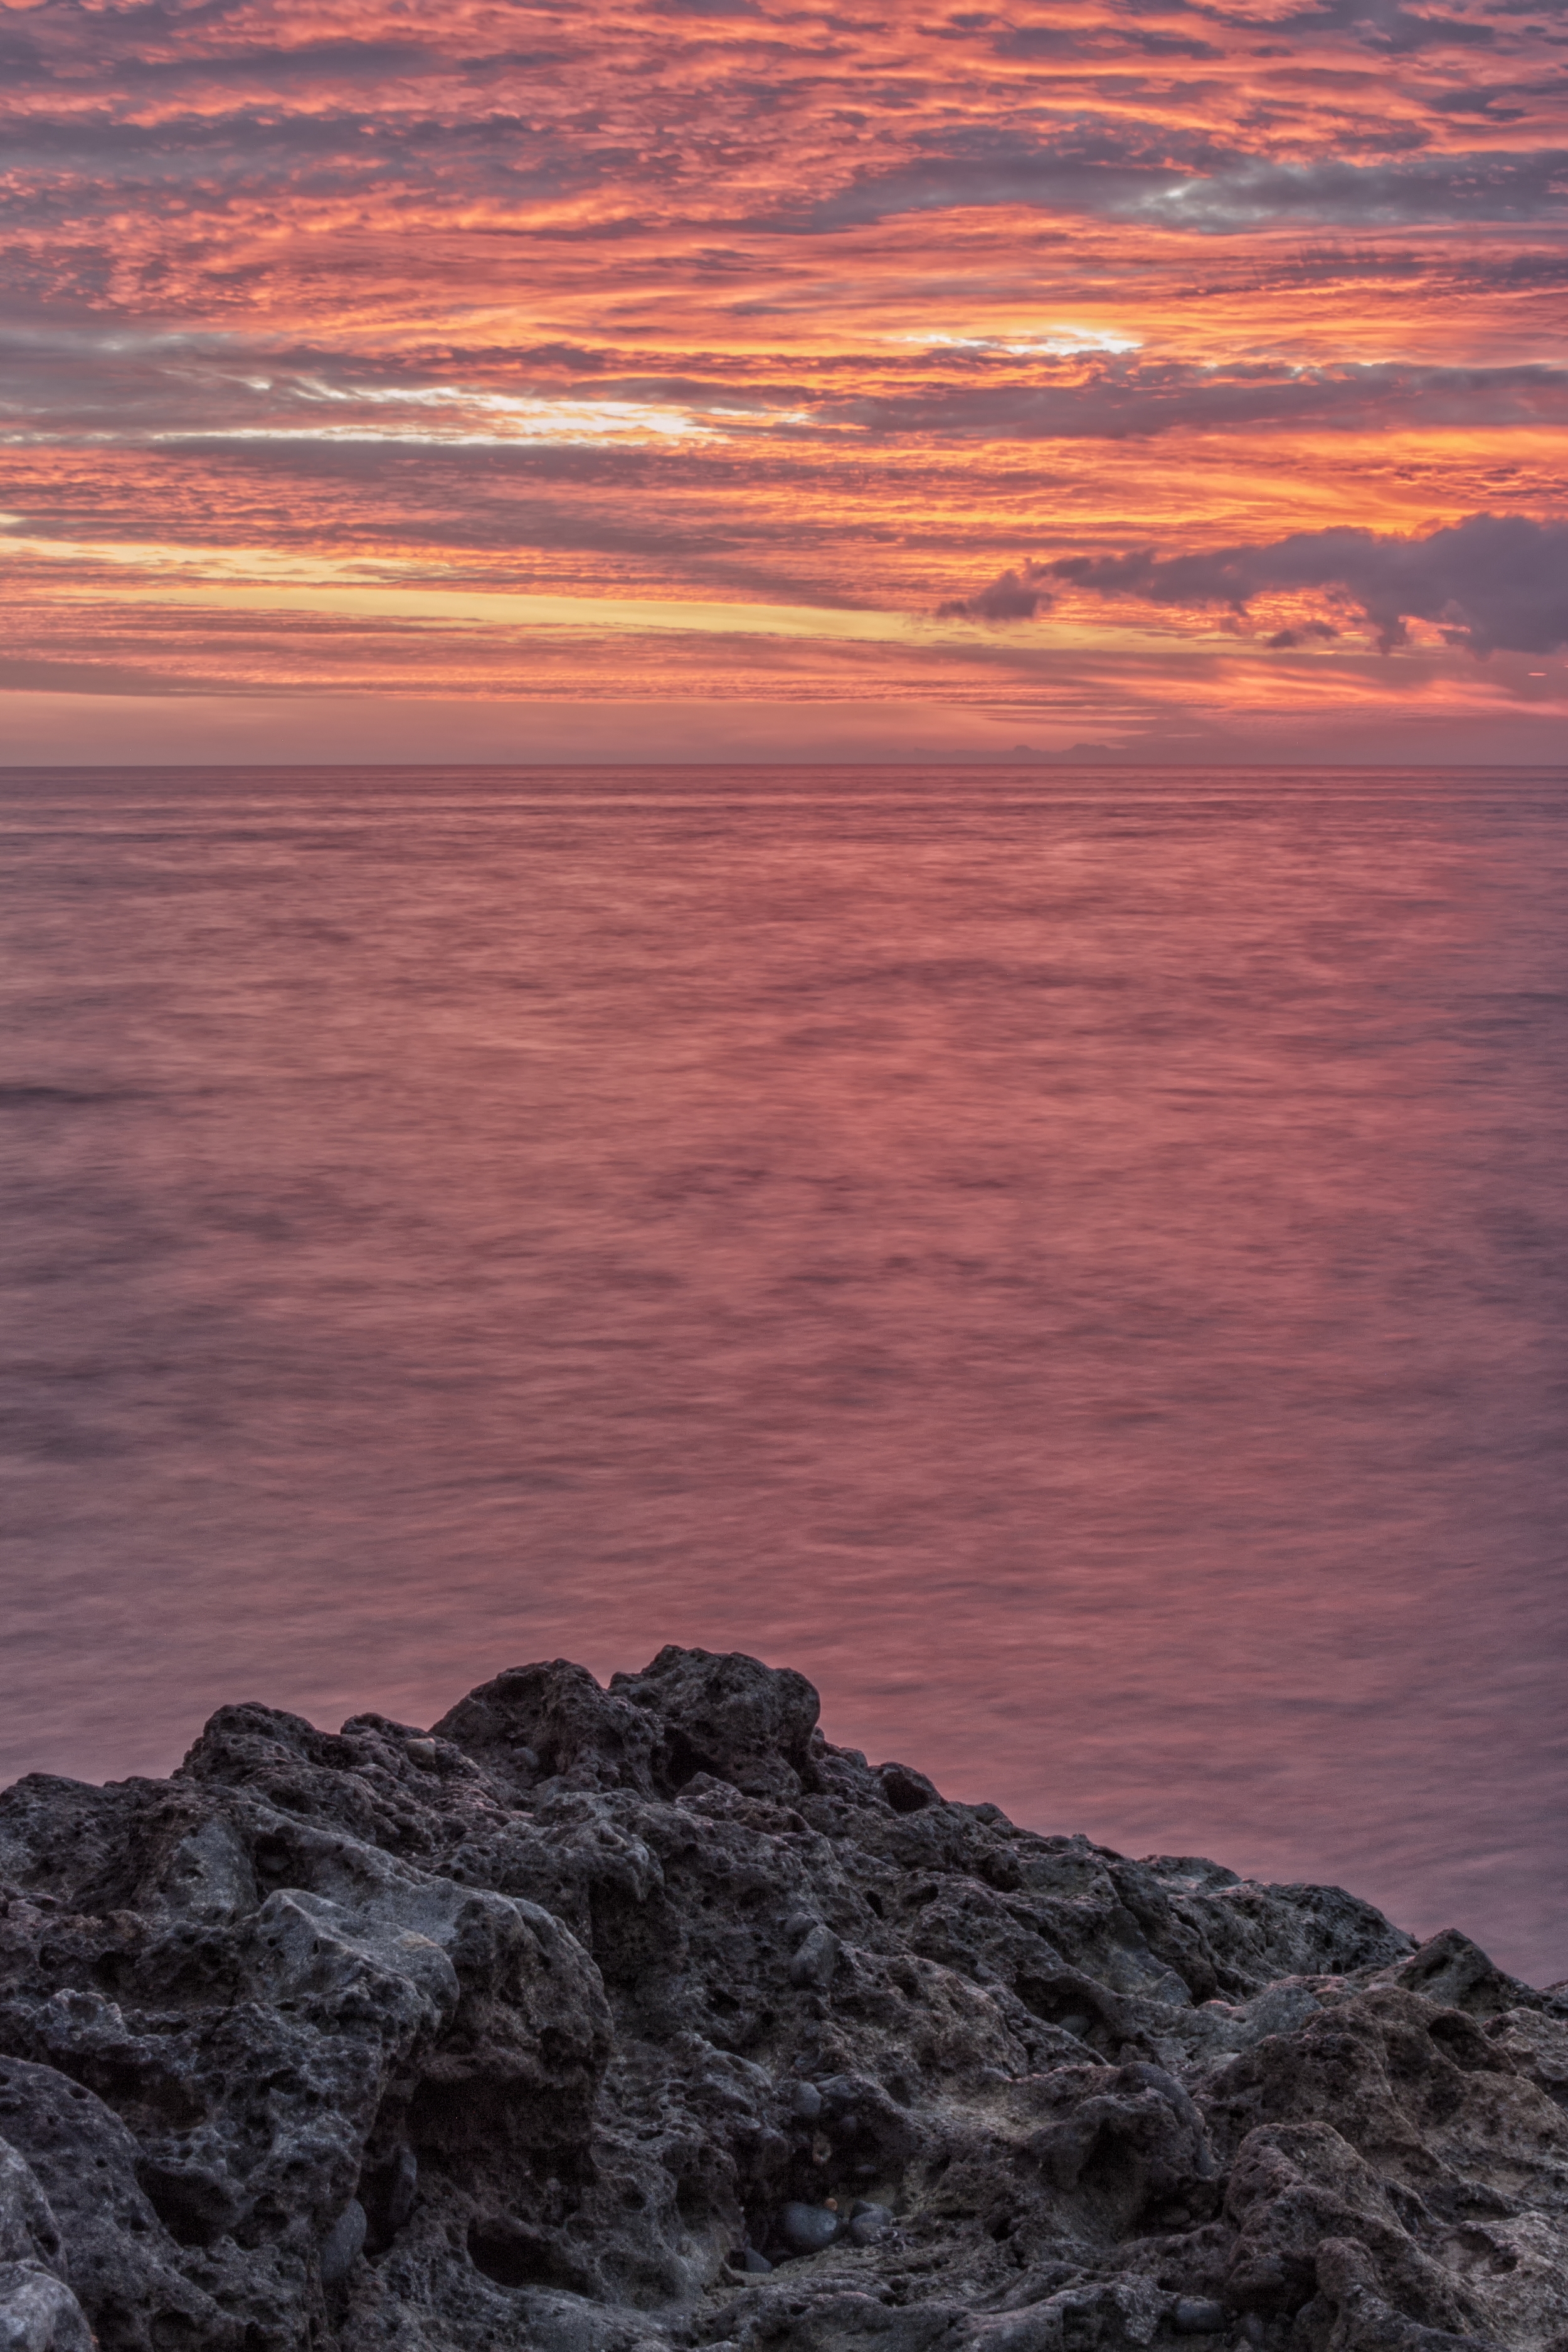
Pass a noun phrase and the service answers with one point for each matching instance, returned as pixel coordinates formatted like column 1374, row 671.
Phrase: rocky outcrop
column 604, row 2021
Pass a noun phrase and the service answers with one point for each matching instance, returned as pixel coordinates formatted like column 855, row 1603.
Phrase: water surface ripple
column 1076, row 1262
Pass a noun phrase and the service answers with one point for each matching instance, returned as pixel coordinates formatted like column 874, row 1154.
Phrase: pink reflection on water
column 1080, row 1272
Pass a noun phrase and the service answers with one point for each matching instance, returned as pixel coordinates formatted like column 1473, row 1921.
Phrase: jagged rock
column 730, row 1717
column 38, row 2313
column 609, row 2020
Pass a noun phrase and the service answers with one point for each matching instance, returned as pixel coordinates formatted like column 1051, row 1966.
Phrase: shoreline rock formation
column 613, row 2021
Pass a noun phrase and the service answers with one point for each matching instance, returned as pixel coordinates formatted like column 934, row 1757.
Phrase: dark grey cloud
column 1171, row 45
column 1309, row 633
column 1497, row 583
column 1332, row 262
column 1483, row 184
column 1089, row 165
column 1506, row 103
column 27, row 64
column 1404, row 32
column 107, row 384
column 1386, row 28
column 1058, row 42
column 1040, row 41
column 21, row 59
column 330, row 60
column 1009, row 598
column 1117, row 176
column 1123, row 400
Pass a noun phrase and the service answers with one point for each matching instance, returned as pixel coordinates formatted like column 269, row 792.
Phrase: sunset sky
column 1120, row 378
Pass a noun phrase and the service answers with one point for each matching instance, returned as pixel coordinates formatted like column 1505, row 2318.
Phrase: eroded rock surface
column 604, row 2021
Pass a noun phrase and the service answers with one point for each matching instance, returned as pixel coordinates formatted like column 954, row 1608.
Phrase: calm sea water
column 1076, row 1262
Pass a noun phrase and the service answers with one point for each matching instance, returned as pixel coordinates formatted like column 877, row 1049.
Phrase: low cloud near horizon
column 1491, row 583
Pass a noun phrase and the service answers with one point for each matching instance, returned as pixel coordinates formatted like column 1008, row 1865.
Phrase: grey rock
column 907, row 1792
column 512, row 2030
column 29, row 2230
column 123, row 2266
column 38, row 2313
column 342, row 2243
column 808, row 2228
column 730, row 1717
column 814, row 1962
column 869, row 2224
column 1199, row 2315
column 552, row 1721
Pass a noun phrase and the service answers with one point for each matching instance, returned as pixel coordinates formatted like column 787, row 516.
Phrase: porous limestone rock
column 612, row 2021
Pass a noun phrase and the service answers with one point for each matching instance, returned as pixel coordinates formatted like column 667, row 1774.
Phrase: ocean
column 1075, row 1260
